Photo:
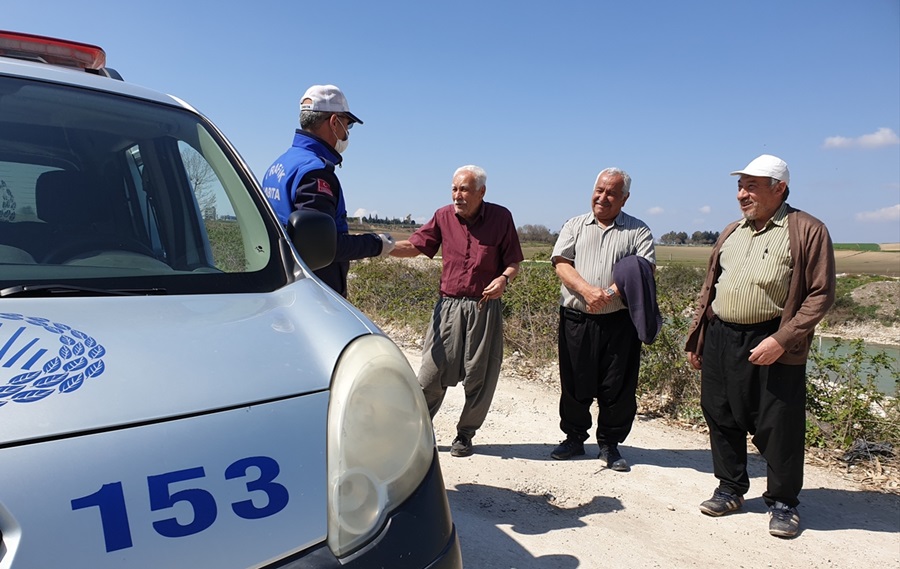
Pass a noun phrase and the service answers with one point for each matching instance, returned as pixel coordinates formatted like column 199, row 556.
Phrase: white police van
column 176, row 388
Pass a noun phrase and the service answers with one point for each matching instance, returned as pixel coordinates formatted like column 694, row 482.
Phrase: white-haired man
column 599, row 346
column 480, row 253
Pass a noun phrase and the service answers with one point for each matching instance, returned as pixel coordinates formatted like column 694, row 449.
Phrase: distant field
column 855, row 261
column 691, row 256
column 854, row 258
column 857, row 247
column 886, row 262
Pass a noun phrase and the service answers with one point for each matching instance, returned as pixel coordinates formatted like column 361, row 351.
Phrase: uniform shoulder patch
column 324, row 187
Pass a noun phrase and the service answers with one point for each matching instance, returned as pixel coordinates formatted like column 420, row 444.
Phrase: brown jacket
column 810, row 292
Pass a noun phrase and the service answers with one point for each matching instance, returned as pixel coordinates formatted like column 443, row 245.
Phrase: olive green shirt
column 810, row 295
column 756, row 272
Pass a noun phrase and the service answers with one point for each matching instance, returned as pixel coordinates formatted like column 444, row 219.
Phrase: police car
column 176, row 388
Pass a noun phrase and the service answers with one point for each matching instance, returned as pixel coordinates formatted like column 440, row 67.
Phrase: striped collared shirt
column 756, row 272
column 594, row 250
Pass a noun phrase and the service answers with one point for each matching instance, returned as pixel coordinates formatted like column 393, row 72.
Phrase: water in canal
column 886, row 383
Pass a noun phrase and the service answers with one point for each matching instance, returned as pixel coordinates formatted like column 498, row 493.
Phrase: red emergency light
column 51, row 50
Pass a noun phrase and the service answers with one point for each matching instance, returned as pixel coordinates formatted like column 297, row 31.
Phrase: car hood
column 71, row 365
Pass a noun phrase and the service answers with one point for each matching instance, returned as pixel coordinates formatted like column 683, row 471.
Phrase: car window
column 134, row 193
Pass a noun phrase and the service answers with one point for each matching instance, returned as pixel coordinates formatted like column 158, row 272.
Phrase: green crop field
column 857, row 247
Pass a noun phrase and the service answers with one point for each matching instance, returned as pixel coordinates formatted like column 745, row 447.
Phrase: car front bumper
column 418, row 535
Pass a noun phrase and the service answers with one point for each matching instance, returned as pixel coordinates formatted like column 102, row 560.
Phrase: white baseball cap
column 767, row 166
column 326, row 98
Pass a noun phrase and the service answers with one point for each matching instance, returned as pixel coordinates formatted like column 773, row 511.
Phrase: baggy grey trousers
column 463, row 343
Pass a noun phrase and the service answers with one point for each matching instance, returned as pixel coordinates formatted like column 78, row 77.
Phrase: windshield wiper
column 47, row 290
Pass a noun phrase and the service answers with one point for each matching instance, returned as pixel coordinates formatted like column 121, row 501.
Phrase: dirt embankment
column 884, row 297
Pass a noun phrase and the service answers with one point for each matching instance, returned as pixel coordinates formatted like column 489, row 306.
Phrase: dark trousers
column 599, row 358
column 768, row 402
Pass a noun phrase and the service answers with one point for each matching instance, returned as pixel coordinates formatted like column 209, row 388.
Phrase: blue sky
column 542, row 95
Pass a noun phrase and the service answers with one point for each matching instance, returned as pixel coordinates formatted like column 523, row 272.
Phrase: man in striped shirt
column 599, row 347
column 770, row 281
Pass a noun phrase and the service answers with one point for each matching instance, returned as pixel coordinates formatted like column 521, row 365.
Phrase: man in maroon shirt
column 480, row 254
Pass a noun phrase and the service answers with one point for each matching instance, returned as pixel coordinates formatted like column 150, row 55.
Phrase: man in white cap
column 304, row 178
column 770, row 281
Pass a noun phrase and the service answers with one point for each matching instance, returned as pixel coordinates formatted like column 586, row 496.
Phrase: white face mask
column 341, row 145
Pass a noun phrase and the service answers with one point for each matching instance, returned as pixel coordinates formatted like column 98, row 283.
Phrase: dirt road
column 517, row 508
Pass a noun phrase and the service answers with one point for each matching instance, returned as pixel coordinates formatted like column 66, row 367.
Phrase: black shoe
column 567, row 449
column 784, row 521
column 614, row 460
column 721, row 503
column 462, row 446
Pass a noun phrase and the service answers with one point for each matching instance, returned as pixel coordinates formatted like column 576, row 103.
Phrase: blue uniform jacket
column 304, row 178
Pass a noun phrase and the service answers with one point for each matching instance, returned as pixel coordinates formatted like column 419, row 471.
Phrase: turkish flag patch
column 324, row 187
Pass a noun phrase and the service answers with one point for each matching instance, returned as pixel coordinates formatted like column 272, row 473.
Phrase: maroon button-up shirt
column 473, row 253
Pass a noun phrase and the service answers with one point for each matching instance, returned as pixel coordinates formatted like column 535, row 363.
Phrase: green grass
column 845, row 309
column 227, row 246
column 665, row 254
column 848, row 283
column 857, row 247
column 844, row 404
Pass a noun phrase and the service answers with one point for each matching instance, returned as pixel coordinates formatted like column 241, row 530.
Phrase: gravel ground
column 516, row 508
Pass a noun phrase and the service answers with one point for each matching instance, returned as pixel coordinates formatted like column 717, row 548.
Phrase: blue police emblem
column 44, row 357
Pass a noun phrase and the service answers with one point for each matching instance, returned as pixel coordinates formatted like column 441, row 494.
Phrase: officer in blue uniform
column 304, row 178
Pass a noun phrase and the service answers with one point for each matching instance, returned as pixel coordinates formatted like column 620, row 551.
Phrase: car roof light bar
column 51, row 50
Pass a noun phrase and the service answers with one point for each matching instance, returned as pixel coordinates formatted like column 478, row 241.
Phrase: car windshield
column 106, row 192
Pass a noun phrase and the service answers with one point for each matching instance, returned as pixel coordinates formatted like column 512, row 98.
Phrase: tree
column 670, row 238
column 202, row 178
column 681, row 238
column 536, row 233
column 704, row 237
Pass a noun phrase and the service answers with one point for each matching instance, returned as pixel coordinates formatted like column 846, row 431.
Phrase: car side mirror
column 314, row 235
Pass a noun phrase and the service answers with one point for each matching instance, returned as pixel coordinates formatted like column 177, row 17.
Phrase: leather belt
column 767, row 325
column 579, row 316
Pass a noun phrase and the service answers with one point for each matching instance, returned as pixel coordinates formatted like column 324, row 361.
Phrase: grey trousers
column 463, row 344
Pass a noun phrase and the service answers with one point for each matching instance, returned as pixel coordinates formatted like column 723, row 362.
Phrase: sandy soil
column 516, row 508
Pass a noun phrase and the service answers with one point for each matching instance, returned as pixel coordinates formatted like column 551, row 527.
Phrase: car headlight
column 380, row 440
